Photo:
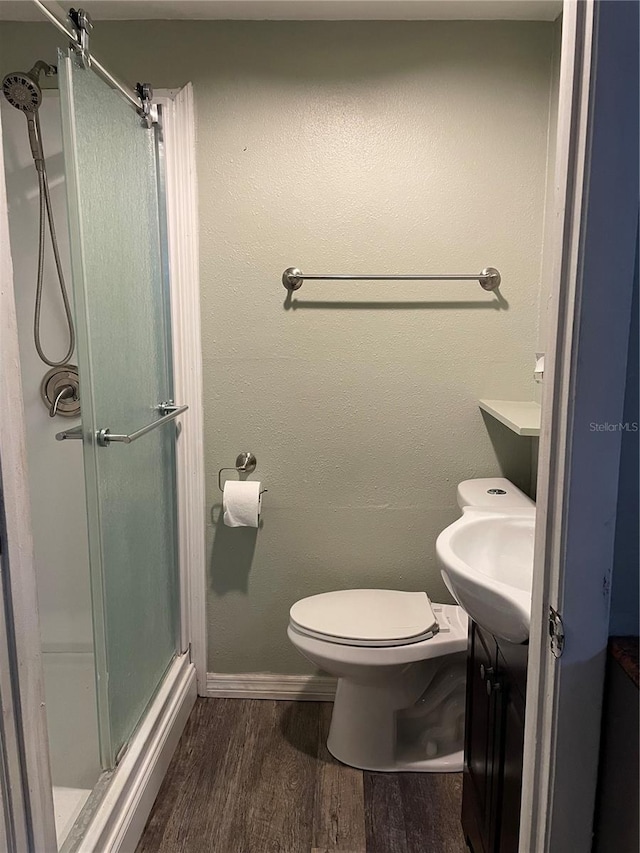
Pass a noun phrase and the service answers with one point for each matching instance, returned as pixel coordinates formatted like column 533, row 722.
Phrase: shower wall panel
column 55, row 468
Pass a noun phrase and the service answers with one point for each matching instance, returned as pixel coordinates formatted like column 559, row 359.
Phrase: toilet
column 400, row 661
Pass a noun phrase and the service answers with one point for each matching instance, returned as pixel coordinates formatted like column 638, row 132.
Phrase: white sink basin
column 486, row 561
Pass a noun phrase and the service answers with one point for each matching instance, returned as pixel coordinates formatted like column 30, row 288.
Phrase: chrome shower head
column 22, row 91
column 22, row 88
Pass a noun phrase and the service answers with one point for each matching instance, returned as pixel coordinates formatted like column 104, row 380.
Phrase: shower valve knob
column 60, row 391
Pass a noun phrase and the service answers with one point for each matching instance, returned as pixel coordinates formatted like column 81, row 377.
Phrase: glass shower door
column 118, row 254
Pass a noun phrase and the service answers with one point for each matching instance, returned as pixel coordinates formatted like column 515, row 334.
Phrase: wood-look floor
column 255, row 776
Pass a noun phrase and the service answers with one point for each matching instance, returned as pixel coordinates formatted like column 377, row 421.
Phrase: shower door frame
column 122, row 812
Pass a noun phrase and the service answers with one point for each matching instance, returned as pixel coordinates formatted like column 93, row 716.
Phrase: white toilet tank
column 492, row 493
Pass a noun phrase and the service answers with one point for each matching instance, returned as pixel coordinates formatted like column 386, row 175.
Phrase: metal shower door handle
column 169, row 412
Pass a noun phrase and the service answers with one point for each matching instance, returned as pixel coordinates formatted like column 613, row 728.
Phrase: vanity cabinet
column 494, row 741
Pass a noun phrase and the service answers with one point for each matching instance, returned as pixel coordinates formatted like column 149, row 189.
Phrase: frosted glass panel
column 123, row 354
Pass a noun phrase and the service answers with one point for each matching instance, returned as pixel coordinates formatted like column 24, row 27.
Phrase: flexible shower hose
column 45, row 208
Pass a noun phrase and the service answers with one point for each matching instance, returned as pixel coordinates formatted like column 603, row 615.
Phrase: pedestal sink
column 486, row 561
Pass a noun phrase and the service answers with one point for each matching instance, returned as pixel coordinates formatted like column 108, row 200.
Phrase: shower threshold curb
column 120, row 818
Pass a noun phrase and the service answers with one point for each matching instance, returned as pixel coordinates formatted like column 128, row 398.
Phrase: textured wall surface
column 366, row 147
column 545, row 315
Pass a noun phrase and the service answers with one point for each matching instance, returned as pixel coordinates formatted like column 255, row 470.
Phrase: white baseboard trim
column 259, row 685
column 123, row 811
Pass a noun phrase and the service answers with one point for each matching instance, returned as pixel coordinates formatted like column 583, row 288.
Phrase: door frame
column 596, row 222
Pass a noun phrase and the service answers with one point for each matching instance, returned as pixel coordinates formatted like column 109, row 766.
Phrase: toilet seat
column 366, row 617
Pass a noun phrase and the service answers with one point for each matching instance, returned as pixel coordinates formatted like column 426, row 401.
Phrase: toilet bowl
column 400, row 662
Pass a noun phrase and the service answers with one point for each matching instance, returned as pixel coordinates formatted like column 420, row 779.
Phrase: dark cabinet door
column 478, row 785
column 511, row 759
column 494, row 741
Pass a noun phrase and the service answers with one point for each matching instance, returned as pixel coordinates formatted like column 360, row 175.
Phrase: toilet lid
column 366, row 617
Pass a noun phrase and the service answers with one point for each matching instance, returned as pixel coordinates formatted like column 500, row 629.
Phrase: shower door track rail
column 104, row 437
column 133, row 97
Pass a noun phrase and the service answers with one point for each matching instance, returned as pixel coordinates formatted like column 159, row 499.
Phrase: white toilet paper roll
column 241, row 501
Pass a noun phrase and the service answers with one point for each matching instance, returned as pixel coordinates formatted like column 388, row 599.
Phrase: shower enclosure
column 114, row 635
column 119, row 272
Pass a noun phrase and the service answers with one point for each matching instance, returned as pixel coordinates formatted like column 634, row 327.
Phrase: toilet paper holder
column 246, row 463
